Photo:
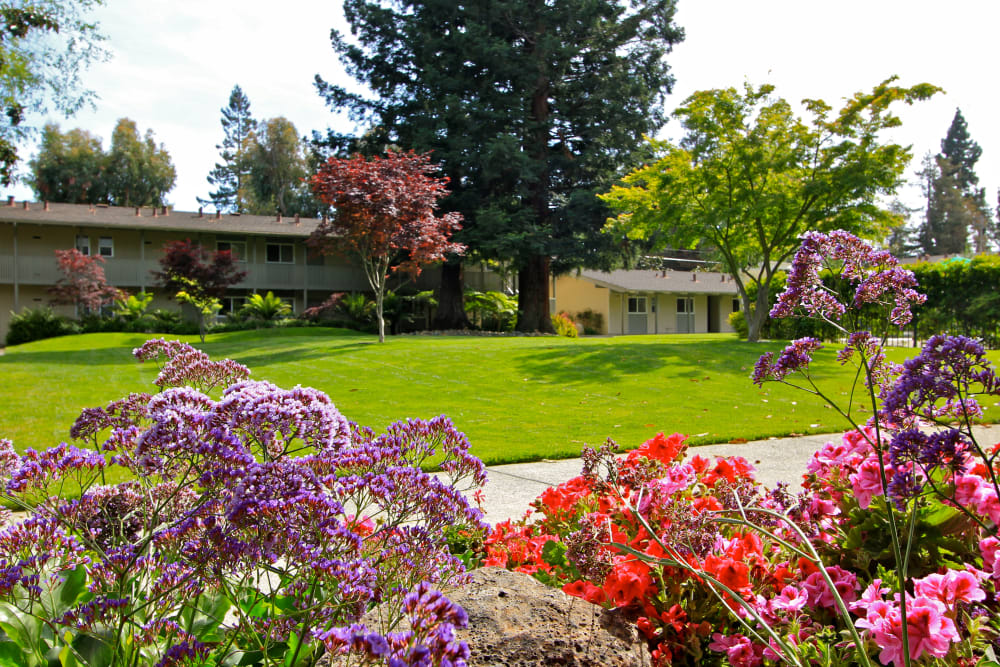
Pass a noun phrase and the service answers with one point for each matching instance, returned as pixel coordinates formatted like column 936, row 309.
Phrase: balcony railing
column 42, row 270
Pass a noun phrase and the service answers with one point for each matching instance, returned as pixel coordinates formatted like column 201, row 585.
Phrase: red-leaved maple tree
column 384, row 213
column 83, row 284
column 186, row 262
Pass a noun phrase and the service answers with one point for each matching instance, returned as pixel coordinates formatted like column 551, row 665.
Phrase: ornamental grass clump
column 257, row 528
column 887, row 554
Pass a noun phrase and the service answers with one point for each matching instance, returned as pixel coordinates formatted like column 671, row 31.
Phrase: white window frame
column 682, row 303
column 267, row 248
column 234, row 245
column 83, row 244
column 105, row 243
column 639, row 300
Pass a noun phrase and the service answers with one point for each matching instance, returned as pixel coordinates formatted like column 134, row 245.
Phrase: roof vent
column 200, row 214
column 138, row 212
column 45, row 206
column 10, row 200
column 694, row 277
column 164, row 211
column 155, row 213
column 279, row 216
column 26, row 206
column 296, row 218
column 218, row 214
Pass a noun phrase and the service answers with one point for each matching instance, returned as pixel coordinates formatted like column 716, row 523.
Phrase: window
column 280, row 253
column 685, row 304
column 232, row 304
column 106, row 246
column 637, row 305
column 83, row 244
column 238, row 248
column 736, row 305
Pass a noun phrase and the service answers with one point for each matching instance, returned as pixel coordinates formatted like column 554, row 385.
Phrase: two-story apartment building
column 271, row 249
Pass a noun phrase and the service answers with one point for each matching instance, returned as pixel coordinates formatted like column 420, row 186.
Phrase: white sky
column 175, row 62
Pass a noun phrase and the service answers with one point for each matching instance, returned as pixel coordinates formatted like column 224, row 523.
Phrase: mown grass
column 518, row 399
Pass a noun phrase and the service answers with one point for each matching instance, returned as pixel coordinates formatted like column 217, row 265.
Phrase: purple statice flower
column 33, row 552
column 272, row 418
column 795, row 357
column 875, row 272
column 186, row 365
column 879, row 369
column 415, row 440
column 100, row 611
column 123, row 413
column 353, row 639
column 941, row 382
column 37, row 470
column 9, row 460
column 187, row 652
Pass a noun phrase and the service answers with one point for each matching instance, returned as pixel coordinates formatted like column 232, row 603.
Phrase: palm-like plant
column 267, row 307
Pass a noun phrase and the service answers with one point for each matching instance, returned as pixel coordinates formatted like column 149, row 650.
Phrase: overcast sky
column 174, row 63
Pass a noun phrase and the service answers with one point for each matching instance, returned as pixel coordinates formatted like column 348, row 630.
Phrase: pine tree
column 962, row 153
column 230, row 177
column 531, row 107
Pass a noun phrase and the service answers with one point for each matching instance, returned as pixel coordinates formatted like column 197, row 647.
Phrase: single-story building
column 648, row 301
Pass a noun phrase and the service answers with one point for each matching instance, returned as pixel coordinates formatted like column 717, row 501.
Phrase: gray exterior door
column 638, row 312
column 685, row 314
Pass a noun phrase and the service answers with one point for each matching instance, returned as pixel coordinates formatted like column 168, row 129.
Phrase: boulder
column 516, row 621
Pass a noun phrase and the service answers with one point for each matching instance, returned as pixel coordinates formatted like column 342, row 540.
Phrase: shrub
column 255, row 528
column 266, row 308
column 491, row 310
column 38, row 323
column 564, row 326
column 738, row 321
column 591, row 321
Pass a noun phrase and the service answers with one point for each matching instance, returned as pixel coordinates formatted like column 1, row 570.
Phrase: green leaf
column 23, row 630
column 94, row 651
column 12, row 655
column 69, row 591
column 69, row 658
column 554, row 553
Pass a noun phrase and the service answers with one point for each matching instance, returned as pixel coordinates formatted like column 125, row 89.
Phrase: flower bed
column 256, row 529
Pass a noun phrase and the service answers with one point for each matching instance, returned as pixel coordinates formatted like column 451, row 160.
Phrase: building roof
column 161, row 218
column 690, row 282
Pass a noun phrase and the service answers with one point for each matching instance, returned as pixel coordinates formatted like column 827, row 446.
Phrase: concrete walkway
column 512, row 487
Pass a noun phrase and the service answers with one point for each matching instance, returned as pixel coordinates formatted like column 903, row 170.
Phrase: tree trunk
column 379, row 300
column 757, row 316
column 451, row 299
column 533, row 296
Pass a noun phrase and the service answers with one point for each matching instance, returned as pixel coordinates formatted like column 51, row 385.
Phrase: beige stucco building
column 270, row 249
column 650, row 302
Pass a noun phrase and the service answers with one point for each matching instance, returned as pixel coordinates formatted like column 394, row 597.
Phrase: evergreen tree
column 531, row 107
column 954, row 204
column 962, row 153
column 231, row 175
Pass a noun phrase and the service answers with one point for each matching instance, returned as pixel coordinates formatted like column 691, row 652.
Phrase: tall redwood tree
column 384, row 213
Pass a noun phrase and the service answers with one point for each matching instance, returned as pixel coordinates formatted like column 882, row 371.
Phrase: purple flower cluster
column 876, row 273
column 795, row 357
column 186, row 365
column 268, row 495
column 941, row 382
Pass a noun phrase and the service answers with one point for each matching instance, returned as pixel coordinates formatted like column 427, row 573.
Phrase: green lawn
column 516, row 398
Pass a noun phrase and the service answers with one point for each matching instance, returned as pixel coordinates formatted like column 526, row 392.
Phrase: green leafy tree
column 206, row 305
column 278, row 168
column 530, row 107
column 45, row 47
column 69, row 167
column 139, row 172
column 750, row 176
column 231, row 176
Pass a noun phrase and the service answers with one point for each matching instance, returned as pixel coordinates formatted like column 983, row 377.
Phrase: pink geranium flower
column 951, row 587
column 867, row 482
